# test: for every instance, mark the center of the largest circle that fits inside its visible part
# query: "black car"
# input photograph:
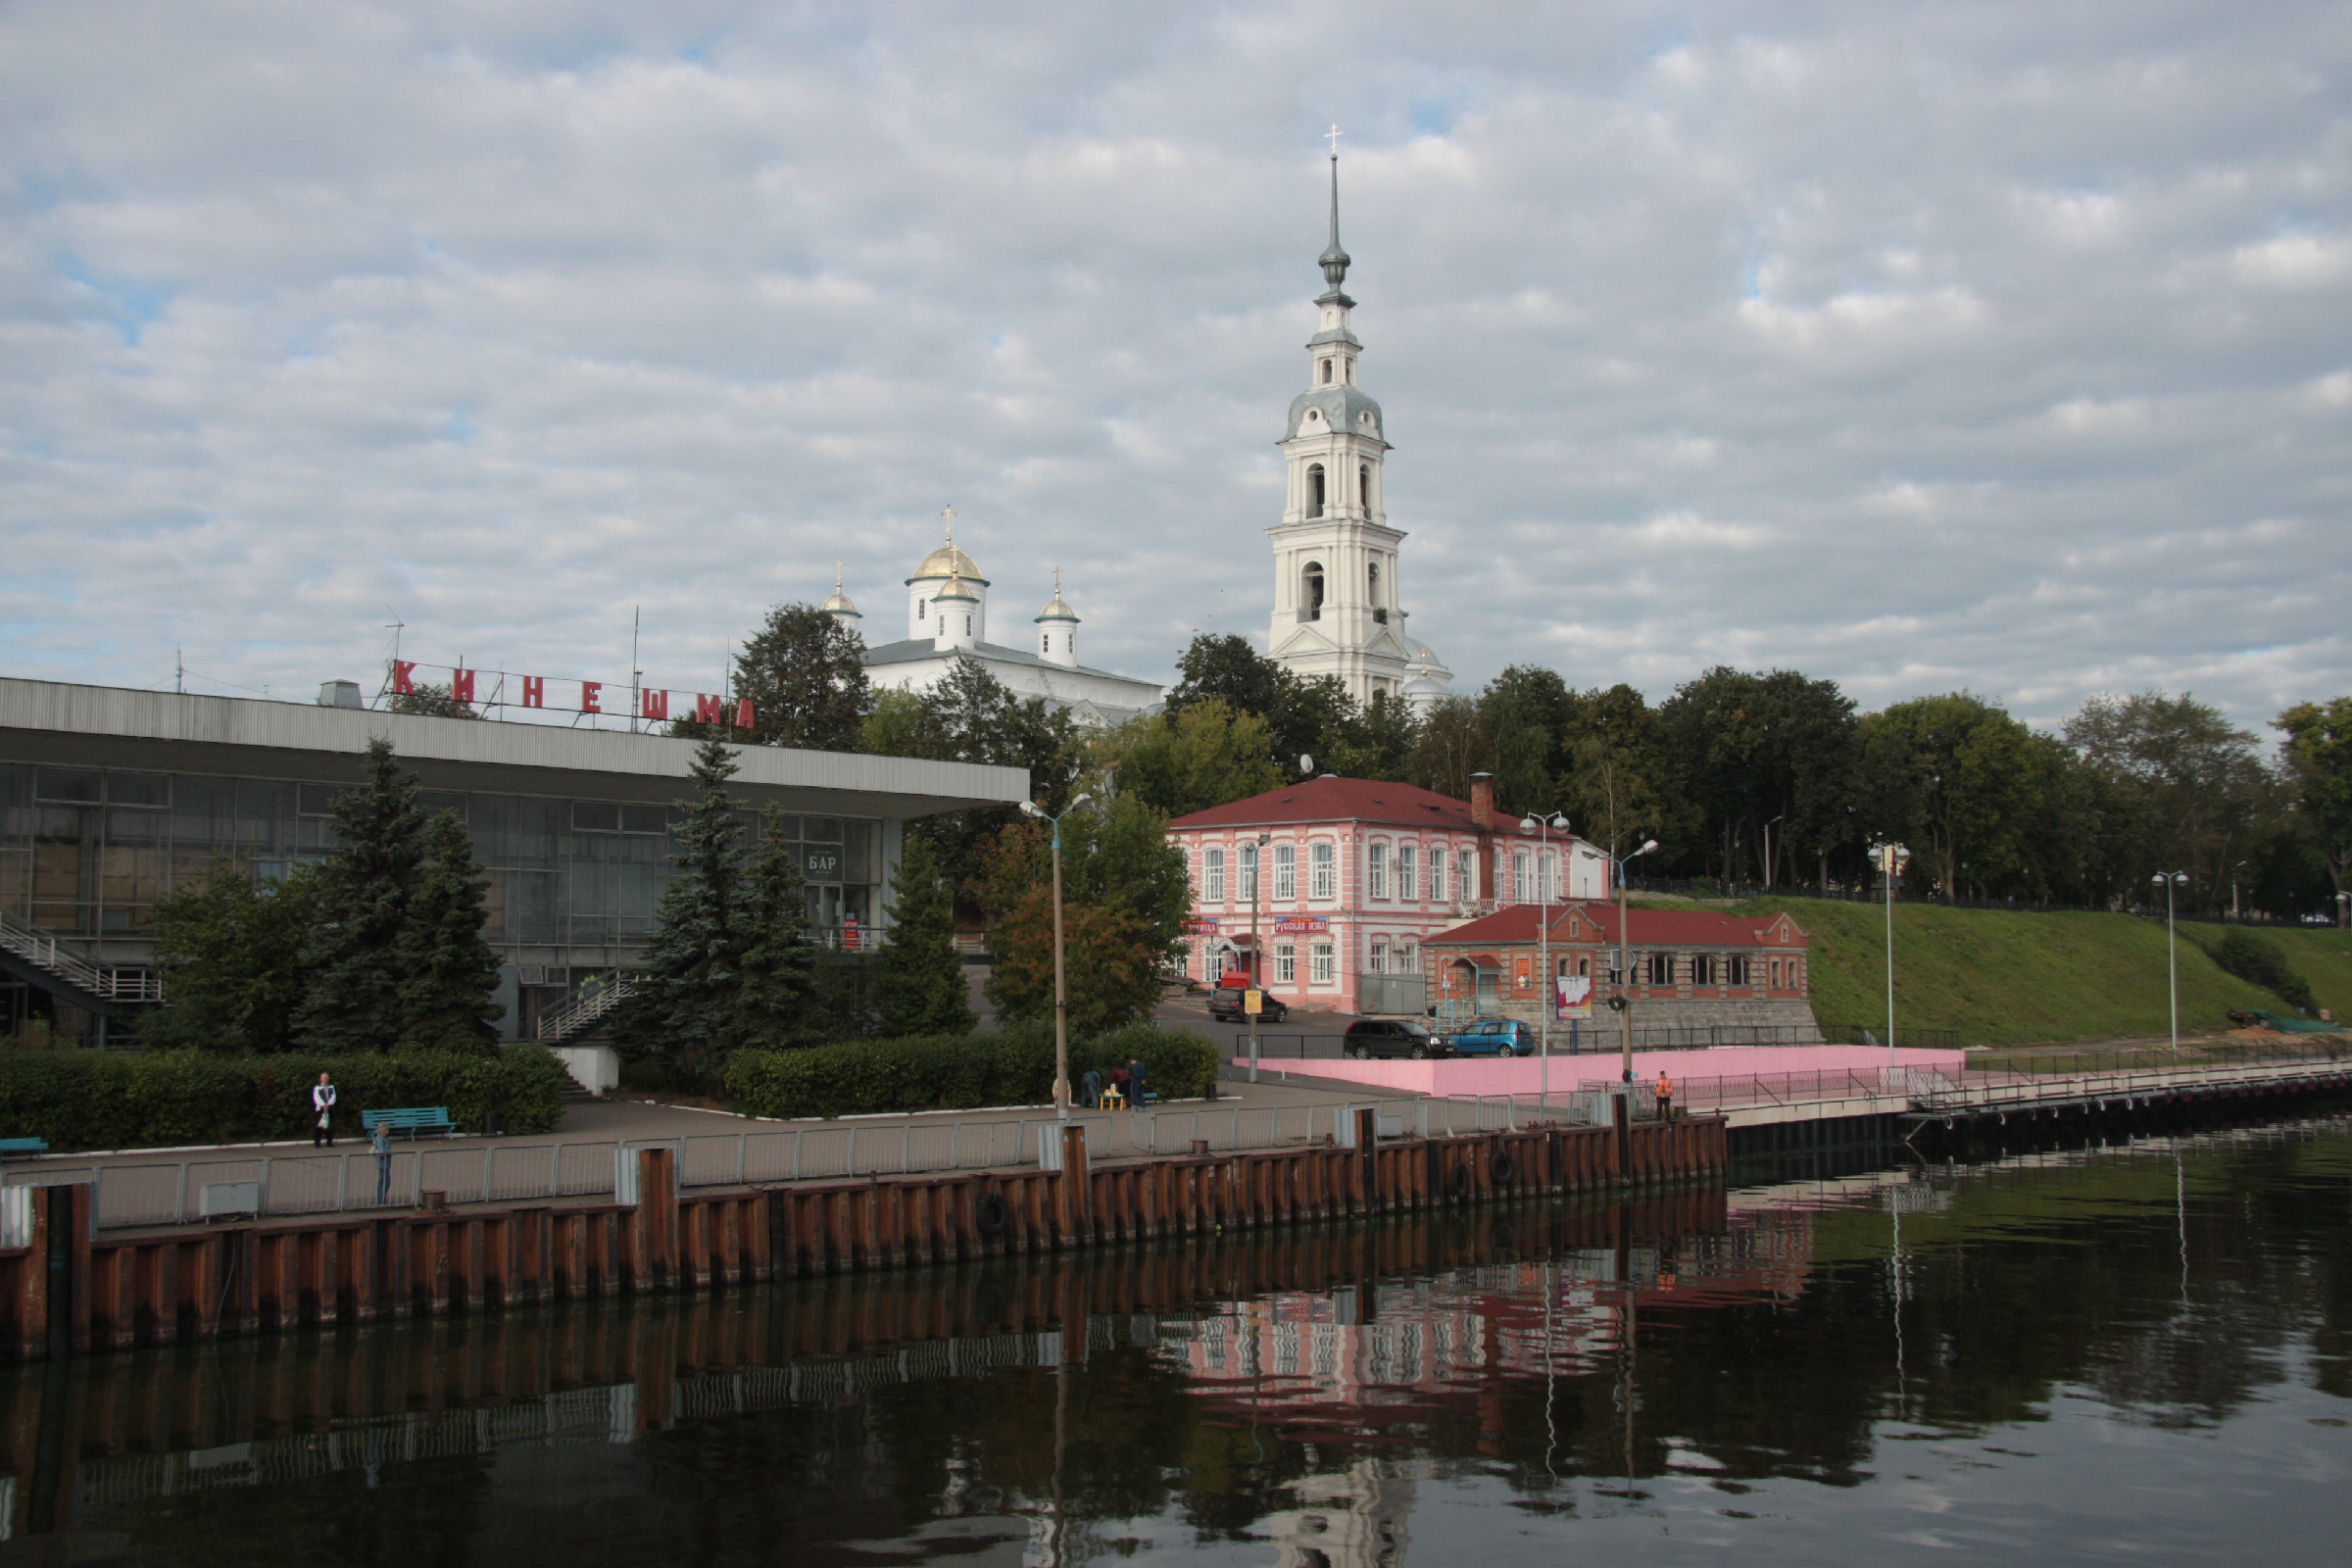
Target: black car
(1225, 1004)
(1390, 1037)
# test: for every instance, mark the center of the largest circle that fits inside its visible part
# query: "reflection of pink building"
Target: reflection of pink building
(1351, 877)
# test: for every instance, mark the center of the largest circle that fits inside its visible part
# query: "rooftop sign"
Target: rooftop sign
(532, 692)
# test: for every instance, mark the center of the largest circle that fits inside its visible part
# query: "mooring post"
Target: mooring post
(1073, 1188)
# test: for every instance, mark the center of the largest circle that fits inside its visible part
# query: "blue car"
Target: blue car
(1495, 1036)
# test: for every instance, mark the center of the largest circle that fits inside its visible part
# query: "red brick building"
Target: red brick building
(1693, 968)
(1352, 877)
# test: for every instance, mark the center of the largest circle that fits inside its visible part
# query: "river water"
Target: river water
(2132, 1354)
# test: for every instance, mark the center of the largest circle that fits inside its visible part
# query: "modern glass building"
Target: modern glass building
(108, 798)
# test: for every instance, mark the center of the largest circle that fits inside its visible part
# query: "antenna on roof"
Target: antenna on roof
(1306, 764)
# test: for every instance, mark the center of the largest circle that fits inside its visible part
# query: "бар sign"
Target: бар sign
(465, 685)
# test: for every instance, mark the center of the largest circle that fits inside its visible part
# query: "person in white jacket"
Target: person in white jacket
(322, 1100)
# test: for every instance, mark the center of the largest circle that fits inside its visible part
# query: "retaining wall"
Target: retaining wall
(71, 1291)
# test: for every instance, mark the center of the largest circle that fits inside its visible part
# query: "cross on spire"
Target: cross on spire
(1057, 582)
(949, 514)
(836, 564)
(1333, 136)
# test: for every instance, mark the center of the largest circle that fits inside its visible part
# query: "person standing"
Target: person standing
(1665, 1097)
(1135, 1081)
(382, 1145)
(322, 1101)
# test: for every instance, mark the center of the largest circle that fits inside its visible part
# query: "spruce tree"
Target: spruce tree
(773, 1009)
(448, 972)
(683, 1006)
(919, 988)
(352, 1000)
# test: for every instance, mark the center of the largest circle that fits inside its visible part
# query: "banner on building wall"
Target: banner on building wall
(1301, 925)
(590, 696)
(1202, 925)
(1572, 996)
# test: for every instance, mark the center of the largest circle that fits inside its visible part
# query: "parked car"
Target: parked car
(1390, 1037)
(1225, 1005)
(1495, 1036)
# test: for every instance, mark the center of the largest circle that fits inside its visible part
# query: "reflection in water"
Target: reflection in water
(2025, 1359)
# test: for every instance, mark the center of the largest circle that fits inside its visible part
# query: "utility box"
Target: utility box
(221, 1199)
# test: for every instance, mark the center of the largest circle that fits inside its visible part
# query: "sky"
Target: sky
(1990, 347)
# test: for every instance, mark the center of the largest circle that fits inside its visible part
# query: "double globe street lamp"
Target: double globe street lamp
(2170, 881)
(1062, 993)
(1542, 829)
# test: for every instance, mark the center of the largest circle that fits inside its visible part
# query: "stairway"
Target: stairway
(555, 1028)
(39, 959)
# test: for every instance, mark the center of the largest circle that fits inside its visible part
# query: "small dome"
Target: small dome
(954, 590)
(838, 605)
(1057, 611)
(947, 560)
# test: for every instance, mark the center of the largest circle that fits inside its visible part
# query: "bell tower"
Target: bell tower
(1336, 608)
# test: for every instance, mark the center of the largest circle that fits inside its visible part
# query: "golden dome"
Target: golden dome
(947, 560)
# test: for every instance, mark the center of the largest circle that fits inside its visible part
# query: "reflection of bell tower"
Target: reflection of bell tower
(1335, 556)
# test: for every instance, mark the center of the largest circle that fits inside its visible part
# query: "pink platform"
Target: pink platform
(1524, 1075)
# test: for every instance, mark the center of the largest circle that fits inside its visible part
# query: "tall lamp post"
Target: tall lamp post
(1061, 993)
(1258, 968)
(1623, 1001)
(1890, 859)
(1542, 830)
(2168, 881)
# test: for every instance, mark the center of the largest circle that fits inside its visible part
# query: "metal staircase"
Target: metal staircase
(41, 959)
(583, 1016)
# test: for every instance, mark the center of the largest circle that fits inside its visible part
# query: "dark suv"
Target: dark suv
(1225, 1004)
(1390, 1037)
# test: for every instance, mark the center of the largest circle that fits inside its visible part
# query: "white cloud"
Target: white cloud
(1926, 348)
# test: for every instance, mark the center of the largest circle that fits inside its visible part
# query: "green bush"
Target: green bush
(160, 1099)
(1011, 1066)
(2242, 953)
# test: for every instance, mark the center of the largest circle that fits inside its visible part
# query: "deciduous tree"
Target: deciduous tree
(232, 950)
(2319, 763)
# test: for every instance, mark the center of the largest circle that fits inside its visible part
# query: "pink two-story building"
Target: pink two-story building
(1349, 877)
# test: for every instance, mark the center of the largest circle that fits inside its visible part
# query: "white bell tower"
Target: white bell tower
(1336, 608)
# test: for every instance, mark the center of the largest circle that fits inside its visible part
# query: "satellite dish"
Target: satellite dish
(1306, 764)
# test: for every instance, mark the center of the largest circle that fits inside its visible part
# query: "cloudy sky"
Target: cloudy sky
(1992, 346)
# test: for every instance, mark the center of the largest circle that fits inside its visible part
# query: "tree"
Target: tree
(772, 999)
(233, 954)
(1303, 717)
(2319, 764)
(1954, 778)
(447, 971)
(1618, 792)
(353, 998)
(920, 987)
(434, 702)
(1528, 713)
(1755, 751)
(1450, 743)
(1206, 755)
(1125, 897)
(683, 1005)
(805, 674)
(2196, 779)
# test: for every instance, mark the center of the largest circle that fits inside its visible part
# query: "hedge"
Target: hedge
(1011, 1066)
(160, 1099)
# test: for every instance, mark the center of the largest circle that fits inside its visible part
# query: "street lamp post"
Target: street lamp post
(1062, 993)
(1257, 976)
(2168, 881)
(1623, 1000)
(1891, 859)
(1542, 830)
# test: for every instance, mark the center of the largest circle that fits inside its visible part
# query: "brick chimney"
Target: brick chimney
(1482, 800)
(1482, 818)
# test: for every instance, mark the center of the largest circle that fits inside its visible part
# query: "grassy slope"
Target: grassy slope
(2017, 978)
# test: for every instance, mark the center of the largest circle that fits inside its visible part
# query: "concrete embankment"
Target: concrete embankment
(70, 1289)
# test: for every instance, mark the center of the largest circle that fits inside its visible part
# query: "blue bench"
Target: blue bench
(413, 1120)
(24, 1145)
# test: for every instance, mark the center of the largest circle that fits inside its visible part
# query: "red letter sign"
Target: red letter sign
(460, 685)
(743, 714)
(534, 691)
(709, 710)
(653, 705)
(401, 669)
(592, 693)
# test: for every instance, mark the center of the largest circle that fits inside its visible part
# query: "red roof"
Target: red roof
(1338, 800)
(1673, 928)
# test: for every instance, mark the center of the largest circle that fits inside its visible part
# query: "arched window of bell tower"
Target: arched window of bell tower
(1363, 487)
(1372, 583)
(1314, 489)
(1327, 372)
(1310, 595)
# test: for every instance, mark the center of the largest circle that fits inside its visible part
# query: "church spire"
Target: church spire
(1333, 261)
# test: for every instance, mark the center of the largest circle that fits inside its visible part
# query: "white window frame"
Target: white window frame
(1323, 870)
(1522, 891)
(1436, 873)
(1408, 872)
(1323, 964)
(1378, 962)
(1377, 870)
(1406, 955)
(1286, 963)
(1286, 872)
(1248, 872)
(1212, 876)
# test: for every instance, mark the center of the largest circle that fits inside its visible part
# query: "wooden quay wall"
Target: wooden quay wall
(72, 1291)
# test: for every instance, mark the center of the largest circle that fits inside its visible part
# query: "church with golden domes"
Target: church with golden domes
(947, 620)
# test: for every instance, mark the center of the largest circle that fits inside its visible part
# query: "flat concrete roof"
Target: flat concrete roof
(107, 726)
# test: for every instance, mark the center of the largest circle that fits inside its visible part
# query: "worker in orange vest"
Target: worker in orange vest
(1665, 1097)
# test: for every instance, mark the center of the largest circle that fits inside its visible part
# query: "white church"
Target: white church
(1337, 609)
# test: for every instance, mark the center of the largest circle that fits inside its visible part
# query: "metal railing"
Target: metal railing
(557, 1026)
(43, 951)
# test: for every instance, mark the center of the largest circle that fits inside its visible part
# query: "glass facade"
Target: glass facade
(86, 852)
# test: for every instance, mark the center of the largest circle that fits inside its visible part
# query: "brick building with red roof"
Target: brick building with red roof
(1353, 876)
(1691, 969)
